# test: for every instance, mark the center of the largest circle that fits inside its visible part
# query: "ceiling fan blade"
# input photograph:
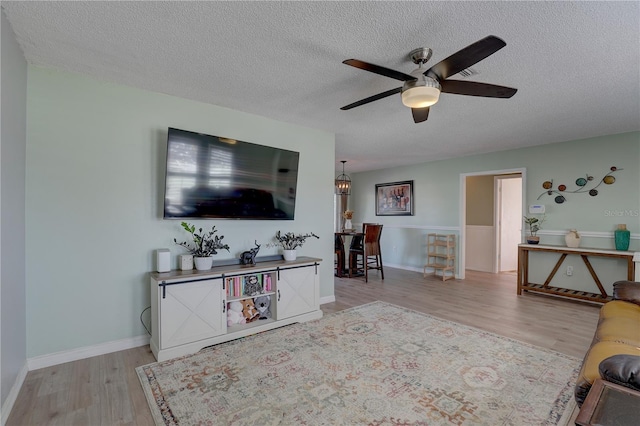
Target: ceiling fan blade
(420, 114)
(466, 57)
(372, 98)
(377, 69)
(473, 88)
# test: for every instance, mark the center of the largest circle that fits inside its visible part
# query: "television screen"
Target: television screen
(220, 178)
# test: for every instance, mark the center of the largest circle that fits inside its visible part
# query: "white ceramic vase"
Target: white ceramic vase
(347, 224)
(572, 239)
(203, 263)
(289, 254)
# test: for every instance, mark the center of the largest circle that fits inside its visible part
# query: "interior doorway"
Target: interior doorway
(479, 235)
(508, 219)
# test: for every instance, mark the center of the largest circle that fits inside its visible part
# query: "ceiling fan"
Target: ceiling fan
(421, 88)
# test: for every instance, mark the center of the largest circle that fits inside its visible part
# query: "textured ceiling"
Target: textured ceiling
(576, 65)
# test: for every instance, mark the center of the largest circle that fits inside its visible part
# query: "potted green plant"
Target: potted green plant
(289, 242)
(534, 226)
(203, 245)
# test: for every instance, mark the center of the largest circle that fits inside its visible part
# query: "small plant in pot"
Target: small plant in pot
(289, 242)
(534, 226)
(203, 245)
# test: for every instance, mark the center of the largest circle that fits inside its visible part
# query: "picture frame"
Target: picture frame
(394, 198)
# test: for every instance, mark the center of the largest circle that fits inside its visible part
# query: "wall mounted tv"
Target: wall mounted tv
(211, 177)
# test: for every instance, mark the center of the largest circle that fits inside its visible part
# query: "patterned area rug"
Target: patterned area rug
(376, 364)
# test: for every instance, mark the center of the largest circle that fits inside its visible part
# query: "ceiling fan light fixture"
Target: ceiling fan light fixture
(420, 93)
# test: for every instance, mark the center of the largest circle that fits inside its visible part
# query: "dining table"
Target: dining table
(340, 240)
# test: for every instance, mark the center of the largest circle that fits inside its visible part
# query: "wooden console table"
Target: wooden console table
(584, 253)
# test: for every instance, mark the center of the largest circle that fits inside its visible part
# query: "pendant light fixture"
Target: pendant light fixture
(343, 182)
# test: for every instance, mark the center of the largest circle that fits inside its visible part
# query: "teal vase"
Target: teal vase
(622, 236)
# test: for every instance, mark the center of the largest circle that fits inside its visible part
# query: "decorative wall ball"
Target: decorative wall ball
(562, 187)
(593, 192)
(559, 199)
(547, 184)
(609, 180)
(581, 181)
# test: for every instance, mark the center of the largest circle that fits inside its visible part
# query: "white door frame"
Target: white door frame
(463, 208)
(497, 212)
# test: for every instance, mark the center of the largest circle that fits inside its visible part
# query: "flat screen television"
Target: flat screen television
(211, 177)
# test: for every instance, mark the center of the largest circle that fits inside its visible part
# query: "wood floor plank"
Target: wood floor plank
(105, 390)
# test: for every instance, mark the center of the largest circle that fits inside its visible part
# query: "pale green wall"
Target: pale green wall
(12, 225)
(95, 181)
(437, 198)
(480, 200)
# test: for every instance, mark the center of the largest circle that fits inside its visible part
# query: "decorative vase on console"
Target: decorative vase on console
(347, 225)
(289, 255)
(289, 242)
(621, 237)
(203, 263)
(572, 239)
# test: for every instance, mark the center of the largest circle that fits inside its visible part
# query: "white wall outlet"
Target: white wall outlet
(536, 208)
(569, 270)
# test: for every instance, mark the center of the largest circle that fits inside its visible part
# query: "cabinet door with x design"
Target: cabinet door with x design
(298, 291)
(192, 312)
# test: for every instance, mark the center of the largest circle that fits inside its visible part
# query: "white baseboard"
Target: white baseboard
(7, 406)
(327, 299)
(405, 267)
(56, 358)
(412, 268)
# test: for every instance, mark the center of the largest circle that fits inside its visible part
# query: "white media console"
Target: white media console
(189, 308)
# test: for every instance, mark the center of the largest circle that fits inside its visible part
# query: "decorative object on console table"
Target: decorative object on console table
(163, 260)
(622, 236)
(186, 262)
(534, 226)
(289, 255)
(394, 199)
(572, 239)
(289, 242)
(205, 245)
(249, 257)
(203, 263)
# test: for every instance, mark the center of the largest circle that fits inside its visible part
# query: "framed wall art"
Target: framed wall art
(394, 199)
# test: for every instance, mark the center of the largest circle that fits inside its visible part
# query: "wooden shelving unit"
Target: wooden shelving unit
(441, 255)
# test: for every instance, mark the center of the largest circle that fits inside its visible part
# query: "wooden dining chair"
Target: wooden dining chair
(340, 255)
(369, 255)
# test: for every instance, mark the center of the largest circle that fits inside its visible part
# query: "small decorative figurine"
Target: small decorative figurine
(249, 257)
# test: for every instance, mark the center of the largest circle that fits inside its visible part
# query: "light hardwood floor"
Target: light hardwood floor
(105, 390)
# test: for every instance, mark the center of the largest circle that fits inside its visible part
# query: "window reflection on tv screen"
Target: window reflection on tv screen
(216, 177)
